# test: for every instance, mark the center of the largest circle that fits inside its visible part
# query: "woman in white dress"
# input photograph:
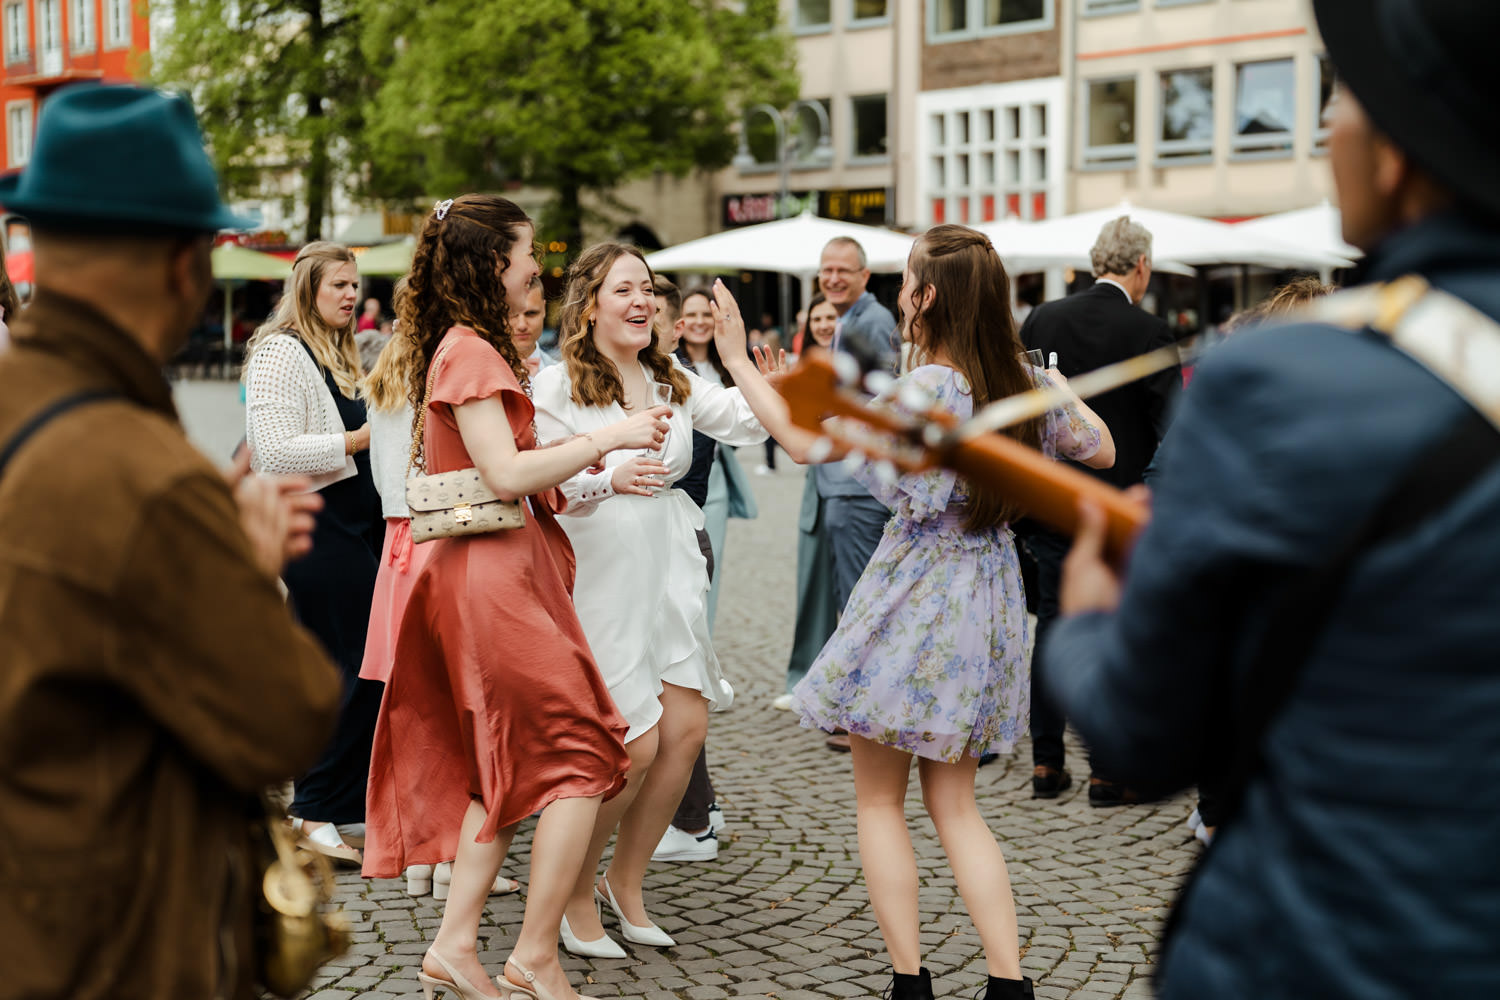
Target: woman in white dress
(642, 580)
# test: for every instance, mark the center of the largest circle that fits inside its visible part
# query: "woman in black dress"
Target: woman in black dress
(304, 417)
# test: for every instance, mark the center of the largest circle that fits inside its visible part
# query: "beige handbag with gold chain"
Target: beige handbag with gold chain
(451, 504)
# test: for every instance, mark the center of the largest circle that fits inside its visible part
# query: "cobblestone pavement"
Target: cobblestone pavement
(783, 912)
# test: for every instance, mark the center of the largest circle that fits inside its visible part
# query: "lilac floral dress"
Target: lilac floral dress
(930, 655)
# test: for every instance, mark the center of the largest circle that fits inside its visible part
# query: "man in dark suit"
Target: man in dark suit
(1093, 328)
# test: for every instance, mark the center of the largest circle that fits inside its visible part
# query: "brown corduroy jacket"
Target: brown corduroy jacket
(151, 682)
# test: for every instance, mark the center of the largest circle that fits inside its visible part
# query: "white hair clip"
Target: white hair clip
(442, 209)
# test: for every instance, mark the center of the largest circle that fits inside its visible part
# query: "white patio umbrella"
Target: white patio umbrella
(1176, 239)
(1319, 228)
(789, 246)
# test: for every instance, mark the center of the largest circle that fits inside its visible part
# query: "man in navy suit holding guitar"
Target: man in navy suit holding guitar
(1089, 330)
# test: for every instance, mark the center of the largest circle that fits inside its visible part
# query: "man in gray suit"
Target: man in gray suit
(841, 523)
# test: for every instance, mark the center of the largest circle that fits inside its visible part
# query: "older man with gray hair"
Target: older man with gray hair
(1095, 327)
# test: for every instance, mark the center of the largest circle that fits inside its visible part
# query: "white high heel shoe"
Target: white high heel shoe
(651, 935)
(418, 880)
(605, 947)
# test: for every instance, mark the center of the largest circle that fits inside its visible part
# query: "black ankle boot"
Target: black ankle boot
(1008, 989)
(918, 987)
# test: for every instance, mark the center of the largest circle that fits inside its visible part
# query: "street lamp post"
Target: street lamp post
(822, 155)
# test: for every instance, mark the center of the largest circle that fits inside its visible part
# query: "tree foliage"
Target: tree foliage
(567, 95)
(279, 85)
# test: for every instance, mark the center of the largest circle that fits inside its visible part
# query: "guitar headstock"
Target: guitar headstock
(822, 394)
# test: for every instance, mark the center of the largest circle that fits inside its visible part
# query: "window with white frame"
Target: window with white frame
(952, 20)
(117, 15)
(812, 15)
(49, 31)
(1265, 106)
(1109, 123)
(988, 163)
(1326, 79)
(81, 25)
(18, 123)
(1187, 114)
(17, 39)
(861, 11)
(868, 114)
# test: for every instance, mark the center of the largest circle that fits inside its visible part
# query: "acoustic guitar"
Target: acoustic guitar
(1047, 490)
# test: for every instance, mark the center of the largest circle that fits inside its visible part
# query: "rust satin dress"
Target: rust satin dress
(496, 695)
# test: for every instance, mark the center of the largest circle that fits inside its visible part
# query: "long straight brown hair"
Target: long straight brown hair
(297, 314)
(970, 322)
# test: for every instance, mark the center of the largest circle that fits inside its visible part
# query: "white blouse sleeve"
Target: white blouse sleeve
(279, 406)
(557, 420)
(722, 413)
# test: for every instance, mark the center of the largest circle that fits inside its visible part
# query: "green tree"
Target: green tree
(573, 96)
(279, 86)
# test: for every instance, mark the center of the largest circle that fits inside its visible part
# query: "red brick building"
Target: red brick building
(47, 44)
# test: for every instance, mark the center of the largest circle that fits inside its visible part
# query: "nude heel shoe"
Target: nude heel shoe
(442, 878)
(651, 935)
(455, 983)
(533, 990)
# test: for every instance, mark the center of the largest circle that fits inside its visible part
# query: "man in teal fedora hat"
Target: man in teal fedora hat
(151, 679)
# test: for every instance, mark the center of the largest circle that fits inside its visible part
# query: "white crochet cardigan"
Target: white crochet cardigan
(292, 423)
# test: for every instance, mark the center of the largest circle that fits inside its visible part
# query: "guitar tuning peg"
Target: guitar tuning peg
(885, 471)
(878, 383)
(853, 462)
(846, 368)
(819, 451)
(915, 398)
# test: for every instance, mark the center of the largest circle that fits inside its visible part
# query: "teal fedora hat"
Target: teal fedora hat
(111, 157)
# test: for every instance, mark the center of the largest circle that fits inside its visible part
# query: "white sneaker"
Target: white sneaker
(716, 820)
(782, 702)
(764, 470)
(679, 845)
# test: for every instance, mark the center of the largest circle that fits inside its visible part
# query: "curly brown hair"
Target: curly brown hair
(970, 321)
(455, 281)
(596, 381)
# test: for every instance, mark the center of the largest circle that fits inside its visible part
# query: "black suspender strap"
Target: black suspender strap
(54, 409)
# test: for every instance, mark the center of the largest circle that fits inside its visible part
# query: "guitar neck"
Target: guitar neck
(1045, 489)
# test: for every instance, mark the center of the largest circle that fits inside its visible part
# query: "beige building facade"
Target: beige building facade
(859, 59)
(1206, 107)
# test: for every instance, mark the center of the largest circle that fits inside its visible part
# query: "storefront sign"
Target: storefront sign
(863, 205)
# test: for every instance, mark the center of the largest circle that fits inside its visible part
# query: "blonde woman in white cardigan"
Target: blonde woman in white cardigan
(304, 416)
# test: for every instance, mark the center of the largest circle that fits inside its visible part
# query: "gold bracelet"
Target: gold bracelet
(348, 442)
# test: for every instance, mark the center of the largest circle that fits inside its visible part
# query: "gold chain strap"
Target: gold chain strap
(418, 459)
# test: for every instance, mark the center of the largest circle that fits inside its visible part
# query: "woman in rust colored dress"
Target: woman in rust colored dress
(498, 710)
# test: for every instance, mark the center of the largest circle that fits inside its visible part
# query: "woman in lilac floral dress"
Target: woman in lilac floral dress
(930, 657)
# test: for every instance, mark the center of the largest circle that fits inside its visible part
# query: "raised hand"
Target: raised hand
(729, 325)
(774, 367)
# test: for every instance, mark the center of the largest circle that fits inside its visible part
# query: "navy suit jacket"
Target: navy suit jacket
(1363, 861)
